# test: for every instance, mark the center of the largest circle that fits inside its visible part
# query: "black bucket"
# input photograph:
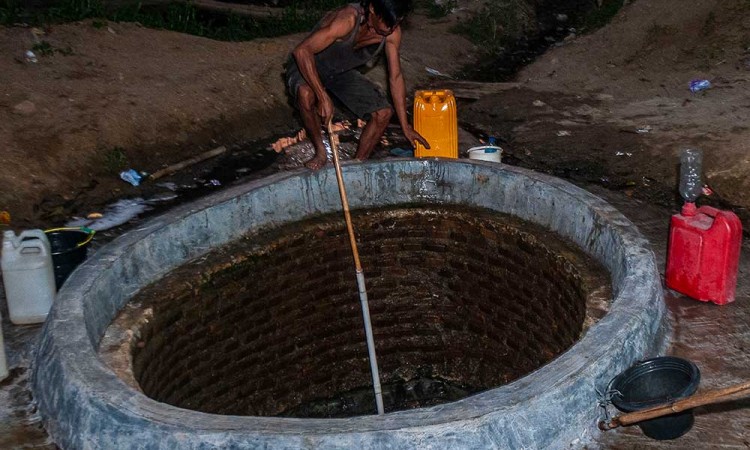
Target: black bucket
(69, 247)
(654, 382)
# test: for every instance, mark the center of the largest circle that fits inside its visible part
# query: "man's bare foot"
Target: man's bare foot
(317, 162)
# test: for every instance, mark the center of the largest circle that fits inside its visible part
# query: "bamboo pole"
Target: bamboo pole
(360, 274)
(735, 392)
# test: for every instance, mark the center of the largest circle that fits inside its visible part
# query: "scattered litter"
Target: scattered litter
(116, 214)
(398, 151)
(30, 57)
(562, 133)
(623, 154)
(95, 215)
(699, 85)
(132, 176)
(643, 129)
(168, 185)
(214, 182)
(436, 72)
(301, 135)
(4, 218)
(538, 103)
(707, 190)
(242, 170)
(562, 17)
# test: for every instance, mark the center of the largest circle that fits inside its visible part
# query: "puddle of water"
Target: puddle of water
(116, 214)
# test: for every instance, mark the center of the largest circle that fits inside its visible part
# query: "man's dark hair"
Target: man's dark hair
(391, 11)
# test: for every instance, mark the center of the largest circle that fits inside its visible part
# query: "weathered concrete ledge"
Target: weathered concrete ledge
(85, 405)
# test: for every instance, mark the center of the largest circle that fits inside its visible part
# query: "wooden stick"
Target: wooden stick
(716, 396)
(342, 191)
(188, 162)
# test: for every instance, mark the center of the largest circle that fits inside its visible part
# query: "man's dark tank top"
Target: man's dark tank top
(341, 56)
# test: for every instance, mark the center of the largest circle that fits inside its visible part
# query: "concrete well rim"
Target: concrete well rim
(101, 389)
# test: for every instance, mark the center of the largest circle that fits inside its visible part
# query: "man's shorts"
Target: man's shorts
(352, 89)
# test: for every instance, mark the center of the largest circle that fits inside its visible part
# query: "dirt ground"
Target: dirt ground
(612, 107)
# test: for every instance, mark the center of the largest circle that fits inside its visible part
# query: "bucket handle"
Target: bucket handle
(84, 229)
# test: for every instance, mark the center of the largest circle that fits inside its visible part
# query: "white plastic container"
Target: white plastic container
(28, 276)
(486, 153)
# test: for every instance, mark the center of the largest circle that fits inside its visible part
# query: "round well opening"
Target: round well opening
(462, 300)
(87, 403)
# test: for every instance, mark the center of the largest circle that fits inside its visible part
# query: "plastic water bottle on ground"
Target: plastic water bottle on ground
(691, 161)
(699, 85)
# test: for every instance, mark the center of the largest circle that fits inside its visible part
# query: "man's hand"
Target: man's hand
(411, 135)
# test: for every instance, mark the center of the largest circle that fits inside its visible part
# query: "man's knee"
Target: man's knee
(382, 116)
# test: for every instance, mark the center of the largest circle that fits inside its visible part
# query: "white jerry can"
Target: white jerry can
(28, 276)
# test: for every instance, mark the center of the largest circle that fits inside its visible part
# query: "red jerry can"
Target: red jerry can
(704, 253)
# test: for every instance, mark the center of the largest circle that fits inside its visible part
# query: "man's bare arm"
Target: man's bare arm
(337, 26)
(398, 87)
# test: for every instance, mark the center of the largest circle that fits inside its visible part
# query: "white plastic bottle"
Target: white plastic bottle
(28, 276)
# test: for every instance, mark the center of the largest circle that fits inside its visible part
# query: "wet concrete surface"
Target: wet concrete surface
(716, 338)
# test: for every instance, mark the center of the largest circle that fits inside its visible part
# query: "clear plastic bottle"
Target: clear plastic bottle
(691, 161)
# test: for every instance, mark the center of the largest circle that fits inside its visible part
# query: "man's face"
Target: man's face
(379, 26)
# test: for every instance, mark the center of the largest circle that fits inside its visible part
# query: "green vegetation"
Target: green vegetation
(183, 17)
(598, 17)
(44, 48)
(499, 23)
(115, 160)
(71, 10)
(437, 10)
(502, 22)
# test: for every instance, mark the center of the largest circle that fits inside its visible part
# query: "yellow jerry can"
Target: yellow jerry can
(435, 119)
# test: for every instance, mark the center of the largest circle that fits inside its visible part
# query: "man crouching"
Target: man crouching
(325, 63)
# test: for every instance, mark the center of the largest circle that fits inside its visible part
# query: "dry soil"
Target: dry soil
(612, 107)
